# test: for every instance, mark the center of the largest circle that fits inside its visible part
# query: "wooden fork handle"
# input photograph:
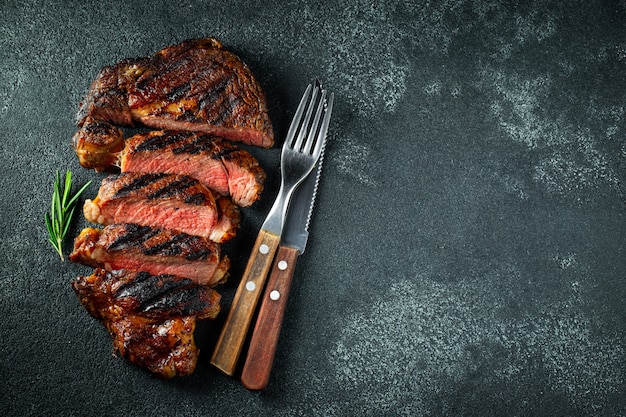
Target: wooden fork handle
(233, 335)
(258, 365)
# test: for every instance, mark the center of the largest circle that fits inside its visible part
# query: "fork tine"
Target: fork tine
(309, 144)
(321, 137)
(304, 126)
(295, 123)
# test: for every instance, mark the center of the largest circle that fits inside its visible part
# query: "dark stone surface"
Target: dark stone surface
(467, 254)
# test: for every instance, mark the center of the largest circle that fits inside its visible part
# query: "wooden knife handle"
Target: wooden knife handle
(233, 335)
(258, 365)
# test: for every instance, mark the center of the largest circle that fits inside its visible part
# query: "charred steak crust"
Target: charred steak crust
(97, 144)
(196, 86)
(111, 295)
(217, 163)
(166, 348)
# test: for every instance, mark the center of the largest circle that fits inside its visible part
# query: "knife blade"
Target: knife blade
(232, 337)
(262, 349)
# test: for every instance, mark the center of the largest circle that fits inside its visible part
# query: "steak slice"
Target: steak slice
(217, 163)
(156, 251)
(158, 200)
(151, 319)
(113, 295)
(196, 85)
(165, 348)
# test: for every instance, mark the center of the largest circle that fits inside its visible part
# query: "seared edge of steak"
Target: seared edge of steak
(229, 220)
(97, 144)
(107, 99)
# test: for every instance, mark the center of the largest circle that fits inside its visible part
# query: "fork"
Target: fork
(301, 150)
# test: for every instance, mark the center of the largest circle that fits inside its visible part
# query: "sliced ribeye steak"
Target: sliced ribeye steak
(156, 251)
(169, 201)
(196, 85)
(217, 163)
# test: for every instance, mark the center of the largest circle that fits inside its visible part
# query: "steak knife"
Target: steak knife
(233, 334)
(258, 365)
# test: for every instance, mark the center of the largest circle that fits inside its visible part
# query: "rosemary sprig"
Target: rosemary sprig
(61, 211)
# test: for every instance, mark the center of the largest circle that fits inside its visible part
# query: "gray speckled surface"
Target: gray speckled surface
(468, 249)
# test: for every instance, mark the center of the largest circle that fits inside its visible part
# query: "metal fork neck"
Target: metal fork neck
(276, 217)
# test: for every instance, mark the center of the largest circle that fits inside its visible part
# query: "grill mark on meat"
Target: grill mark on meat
(198, 255)
(178, 92)
(176, 245)
(180, 301)
(200, 144)
(158, 142)
(170, 189)
(194, 147)
(197, 199)
(134, 236)
(170, 247)
(205, 80)
(175, 80)
(148, 82)
(146, 286)
(215, 93)
(138, 183)
(226, 110)
(176, 187)
(164, 294)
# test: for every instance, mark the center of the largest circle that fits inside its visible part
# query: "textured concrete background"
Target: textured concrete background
(468, 250)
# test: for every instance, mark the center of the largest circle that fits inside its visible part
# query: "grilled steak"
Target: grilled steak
(151, 319)
(196, 86)
(156, 251)
(165, 348)
(217, 163)
(111, 295)
(158, 200)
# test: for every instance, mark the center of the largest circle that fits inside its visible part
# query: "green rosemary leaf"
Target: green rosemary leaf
(61, 210)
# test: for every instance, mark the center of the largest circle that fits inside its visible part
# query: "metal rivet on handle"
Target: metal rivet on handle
(264, 249)
(274, 295)
(250, 286)
(282, 265)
